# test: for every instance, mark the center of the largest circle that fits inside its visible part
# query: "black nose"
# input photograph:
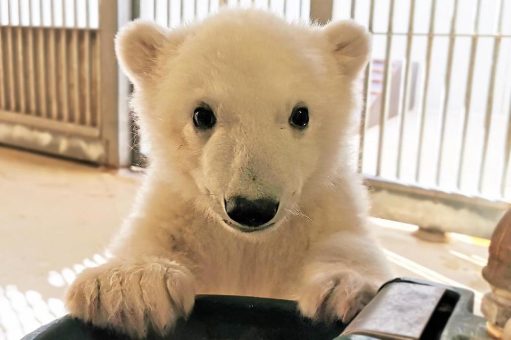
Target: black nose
(251, 213)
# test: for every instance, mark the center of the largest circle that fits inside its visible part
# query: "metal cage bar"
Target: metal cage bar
(507, 153)
(31, 64)
(385, 93)
(21, 64)
(42, 65)
(425, 90)
(468, 92)
(406, 88)
(75, 69)
(490, 99)
(3, 84)
(366, 93)
(10, 60)
(447, 92)
(63, 61)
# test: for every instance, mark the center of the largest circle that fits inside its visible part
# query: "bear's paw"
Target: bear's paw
(133, 297)
(335, 296)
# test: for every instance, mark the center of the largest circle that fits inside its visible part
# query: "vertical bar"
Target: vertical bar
(113, 125)
(169, 12)
(126, 126)
(86, 65)
(76, 67)
(406, 87)
(426, 88)
(468, 91)
(135, 9)
(21, 63)
(352, 9)
(155, 9)
(31, 63)
(182, 11)
(10, 60)
(95, 80)
(489, 101)
(507, 151)
(321, 11)
(3, 104)
(385, 93)
(42, 63)
(63, 77)
(447, 92)
(367, 97)
(52, 69)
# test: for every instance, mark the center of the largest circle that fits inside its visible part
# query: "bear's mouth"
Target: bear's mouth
(247, 229)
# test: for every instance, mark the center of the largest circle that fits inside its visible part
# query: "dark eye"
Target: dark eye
(203, 118)
(299, 117)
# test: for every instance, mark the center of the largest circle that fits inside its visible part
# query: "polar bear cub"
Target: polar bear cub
(250, 190)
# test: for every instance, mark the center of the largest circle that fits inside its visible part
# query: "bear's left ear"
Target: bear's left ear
(351, 45)
(139, 44)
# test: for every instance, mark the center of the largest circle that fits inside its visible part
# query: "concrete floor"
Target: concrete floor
(57, 216)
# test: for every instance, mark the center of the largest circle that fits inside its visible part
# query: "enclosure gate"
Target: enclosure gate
(435, 133)
(58, 78)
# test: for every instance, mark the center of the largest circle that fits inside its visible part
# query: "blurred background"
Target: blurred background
(433, 142)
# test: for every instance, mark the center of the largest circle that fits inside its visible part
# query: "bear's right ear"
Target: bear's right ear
(138, 46)
(351, 45)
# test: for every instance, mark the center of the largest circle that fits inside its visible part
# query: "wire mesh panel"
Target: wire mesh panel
(438, 97)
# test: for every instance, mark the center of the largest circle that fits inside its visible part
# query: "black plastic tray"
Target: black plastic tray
(249, 318)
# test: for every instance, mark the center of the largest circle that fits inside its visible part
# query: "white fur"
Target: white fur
(251, 68)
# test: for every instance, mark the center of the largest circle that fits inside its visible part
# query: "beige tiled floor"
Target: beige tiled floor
(56, 217)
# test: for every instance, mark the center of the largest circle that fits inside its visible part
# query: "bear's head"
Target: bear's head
(243, 112)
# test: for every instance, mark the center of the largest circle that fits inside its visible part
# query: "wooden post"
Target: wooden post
(496, 305)
(113, 97)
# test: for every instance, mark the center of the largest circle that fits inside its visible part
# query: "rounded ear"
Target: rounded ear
(351, 45)
(137, 46)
